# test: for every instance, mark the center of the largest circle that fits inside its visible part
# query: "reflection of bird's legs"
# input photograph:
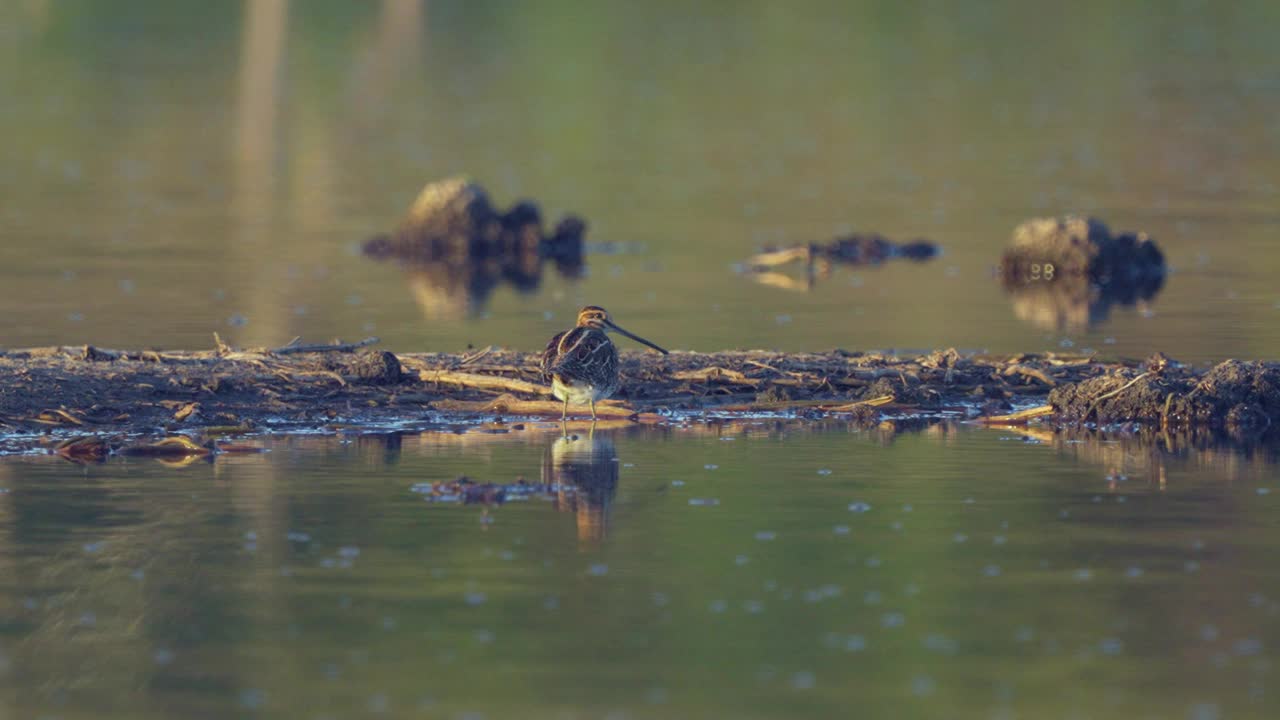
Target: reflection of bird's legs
(593, 409)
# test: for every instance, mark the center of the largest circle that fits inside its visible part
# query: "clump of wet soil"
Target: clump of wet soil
(1234, 395)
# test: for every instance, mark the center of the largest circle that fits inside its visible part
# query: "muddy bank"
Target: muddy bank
(85, 390)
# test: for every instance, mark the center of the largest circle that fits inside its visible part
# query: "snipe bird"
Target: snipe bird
(582, 362)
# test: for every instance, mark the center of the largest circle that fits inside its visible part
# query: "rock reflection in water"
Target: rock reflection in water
(1074, 304)
(583, 470)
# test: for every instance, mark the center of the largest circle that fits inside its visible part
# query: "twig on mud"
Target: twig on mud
(1031, 372)
(720, 374)
(490, 382)
(1094, 406)
(472, 357)
(1019, 417)
(870, 402)
(508, 404)
(294, 347)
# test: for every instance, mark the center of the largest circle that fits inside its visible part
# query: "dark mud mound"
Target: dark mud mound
(1234, 395)
(1067, 273)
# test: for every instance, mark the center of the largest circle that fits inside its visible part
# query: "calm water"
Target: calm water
(761, 571)
(175, 168)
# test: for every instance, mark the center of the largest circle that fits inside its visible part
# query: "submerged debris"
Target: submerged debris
(817, 259)
(1066, 273)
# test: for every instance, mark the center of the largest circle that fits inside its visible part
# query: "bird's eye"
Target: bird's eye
(582, 353)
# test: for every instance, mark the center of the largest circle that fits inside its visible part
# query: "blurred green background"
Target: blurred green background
(175, 168)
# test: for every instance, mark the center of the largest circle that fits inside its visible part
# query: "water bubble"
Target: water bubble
(237, 320)
(855, 643)
(803, 680)
(1083, 574)
(1134, 572)
(717, 606)
(999, 540)
(741, 560)
(874, 562)
(656, 696)
(660, 599)
(1247, 646)
(1111, 646)
(475, 598)
(991, 570)
(252, 698)
(677, 483)
(1204, 711)
(704, 502)
(1263, 491)
(940, 644)
(753, 607)
(923, 686)
(840, 529)
(378, 703)
(710, 466)
(872, 597)
(893, 620)
(766, 535)
(162, 656)
(484, 637)
(349, 552)
(1191, 566)
(1208, 632)
(959, 538)
(94, 547)
(551, 603)
(598, 569)
(859, 507)
(824, 471)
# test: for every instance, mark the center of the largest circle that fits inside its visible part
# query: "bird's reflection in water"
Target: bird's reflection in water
(582, 470)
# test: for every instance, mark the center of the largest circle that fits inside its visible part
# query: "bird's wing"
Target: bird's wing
(550, 355)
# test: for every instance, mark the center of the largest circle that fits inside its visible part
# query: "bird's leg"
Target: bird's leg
(593, 409)
(564, 413)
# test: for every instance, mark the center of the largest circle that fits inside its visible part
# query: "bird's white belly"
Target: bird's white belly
(576, 393)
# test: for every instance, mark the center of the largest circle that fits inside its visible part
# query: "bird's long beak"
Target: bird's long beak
(614, 327)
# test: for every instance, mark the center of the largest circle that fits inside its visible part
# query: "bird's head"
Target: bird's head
(595, 317)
